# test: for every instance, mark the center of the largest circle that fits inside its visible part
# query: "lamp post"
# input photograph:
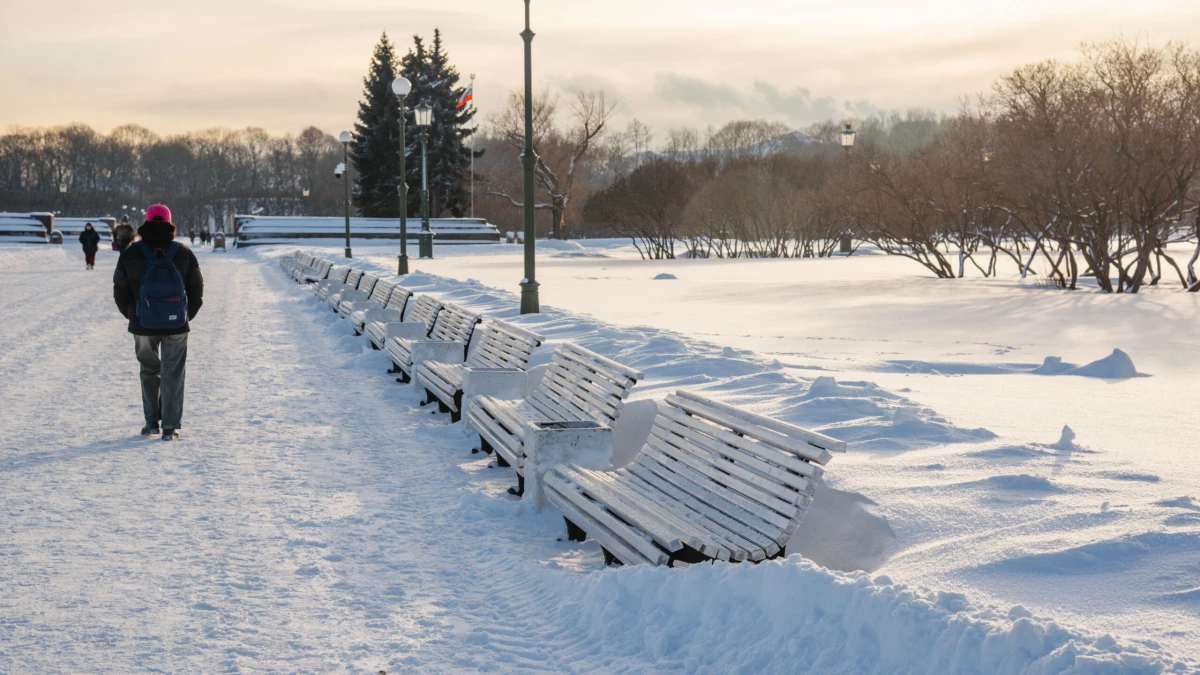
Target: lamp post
(344, 137)
(846, 245)
(847, 139)
(62, 189)
(529, 285)
(401, 87)
(424, 117)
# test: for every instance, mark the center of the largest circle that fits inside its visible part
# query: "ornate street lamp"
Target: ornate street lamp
(344, 173)
(423, 115)
(847, 137)
(62, 189)
(401, 87)
(529, 158)
(306, 192)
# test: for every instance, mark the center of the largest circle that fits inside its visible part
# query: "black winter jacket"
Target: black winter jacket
(90, 239)
(128, 277)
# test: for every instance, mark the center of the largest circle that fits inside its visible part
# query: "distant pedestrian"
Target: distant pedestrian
(205, 237)
(159, 288)
(89, 239)
(122, 235)
(192, 235)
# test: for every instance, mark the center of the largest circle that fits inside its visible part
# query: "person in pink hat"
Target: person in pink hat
(159, 288)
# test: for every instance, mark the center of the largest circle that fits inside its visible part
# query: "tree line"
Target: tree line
(200, 174)
(1087, 168)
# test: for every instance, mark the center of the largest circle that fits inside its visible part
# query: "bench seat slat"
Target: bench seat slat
(635, 539)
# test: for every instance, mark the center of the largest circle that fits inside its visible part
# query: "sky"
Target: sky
(177, 65)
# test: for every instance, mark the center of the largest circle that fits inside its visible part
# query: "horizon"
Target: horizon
(283, 65)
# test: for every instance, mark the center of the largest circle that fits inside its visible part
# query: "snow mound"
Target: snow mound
(662, 276)
(1053, 365)
(559, 245)
(1114, 366)
(1067, 440)
(801, 617)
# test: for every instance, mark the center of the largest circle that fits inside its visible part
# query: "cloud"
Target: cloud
(796, 106)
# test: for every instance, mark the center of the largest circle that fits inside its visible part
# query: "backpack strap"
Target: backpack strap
(145, 249)
(171, 251)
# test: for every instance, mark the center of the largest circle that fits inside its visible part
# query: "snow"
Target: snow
(316, 518)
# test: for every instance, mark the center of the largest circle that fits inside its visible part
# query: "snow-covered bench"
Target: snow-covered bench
(447, 340)
(380, 292)
(335, 279)
(579, 386)
(496, 367)
(290, 262)
(712, 482)
(354, 282)
(374, 322)
(390, 308)
(312, 273)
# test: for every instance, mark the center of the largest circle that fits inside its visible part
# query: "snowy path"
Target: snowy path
(314, 519)
(284, 531)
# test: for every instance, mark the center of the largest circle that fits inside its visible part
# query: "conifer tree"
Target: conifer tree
(375, 148)
(436, 81)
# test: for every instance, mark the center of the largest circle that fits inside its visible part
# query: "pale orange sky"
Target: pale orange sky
(285, 64)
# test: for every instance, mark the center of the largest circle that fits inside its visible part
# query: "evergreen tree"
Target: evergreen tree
(436, 81)
(375, 148)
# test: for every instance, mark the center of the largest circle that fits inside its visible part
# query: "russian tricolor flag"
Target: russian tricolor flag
(466, 98)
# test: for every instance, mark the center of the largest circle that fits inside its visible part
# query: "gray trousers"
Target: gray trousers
(163, 362)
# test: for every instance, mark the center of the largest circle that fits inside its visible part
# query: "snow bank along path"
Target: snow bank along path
(314, 518)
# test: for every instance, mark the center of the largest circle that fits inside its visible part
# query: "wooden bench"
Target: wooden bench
(375, 321)
(333, 296)
(713, 482)
(336, 278)
(579, 385)
(289, 262)
(314, 273)
(381, 290)
(381, 298)
(500, 346)
(446, 340)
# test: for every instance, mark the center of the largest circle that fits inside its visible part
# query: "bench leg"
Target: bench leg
(456, 414)
(520, 489)
(609, 558)
(688, 555)
(485, 446)
(574, 532)
(442, 407)
(404, 378)
(500, 461)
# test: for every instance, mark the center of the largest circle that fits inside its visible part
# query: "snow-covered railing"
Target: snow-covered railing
(259, 230)
(71, 227)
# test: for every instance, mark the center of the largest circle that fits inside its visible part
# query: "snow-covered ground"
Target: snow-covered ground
(316, 519)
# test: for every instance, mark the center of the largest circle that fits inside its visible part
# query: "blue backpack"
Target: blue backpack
(162, 299)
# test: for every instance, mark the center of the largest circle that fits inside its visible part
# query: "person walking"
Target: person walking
(158, 287)
(122, 235)
(89, 239)
(192, 236)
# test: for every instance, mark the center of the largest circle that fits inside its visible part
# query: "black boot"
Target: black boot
(170, 435)
(150, 430)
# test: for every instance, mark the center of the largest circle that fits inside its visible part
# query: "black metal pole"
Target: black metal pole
(529, 285)
(425, 242)
(402, 188)
(346, 180)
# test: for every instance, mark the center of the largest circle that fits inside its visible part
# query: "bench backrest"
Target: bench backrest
(367, 283)
(454, 324)
(425, 310)
(382, 291)
(761, 469)
(323, 268)
(503, 345)
(582, 385)
(354, 277)
(398, 299)
(339, 274)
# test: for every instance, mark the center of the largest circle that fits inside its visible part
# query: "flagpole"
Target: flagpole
(473, 152)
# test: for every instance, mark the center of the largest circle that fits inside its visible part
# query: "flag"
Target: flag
(465, 98)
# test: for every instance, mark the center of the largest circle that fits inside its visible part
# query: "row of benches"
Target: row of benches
(713, 482)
